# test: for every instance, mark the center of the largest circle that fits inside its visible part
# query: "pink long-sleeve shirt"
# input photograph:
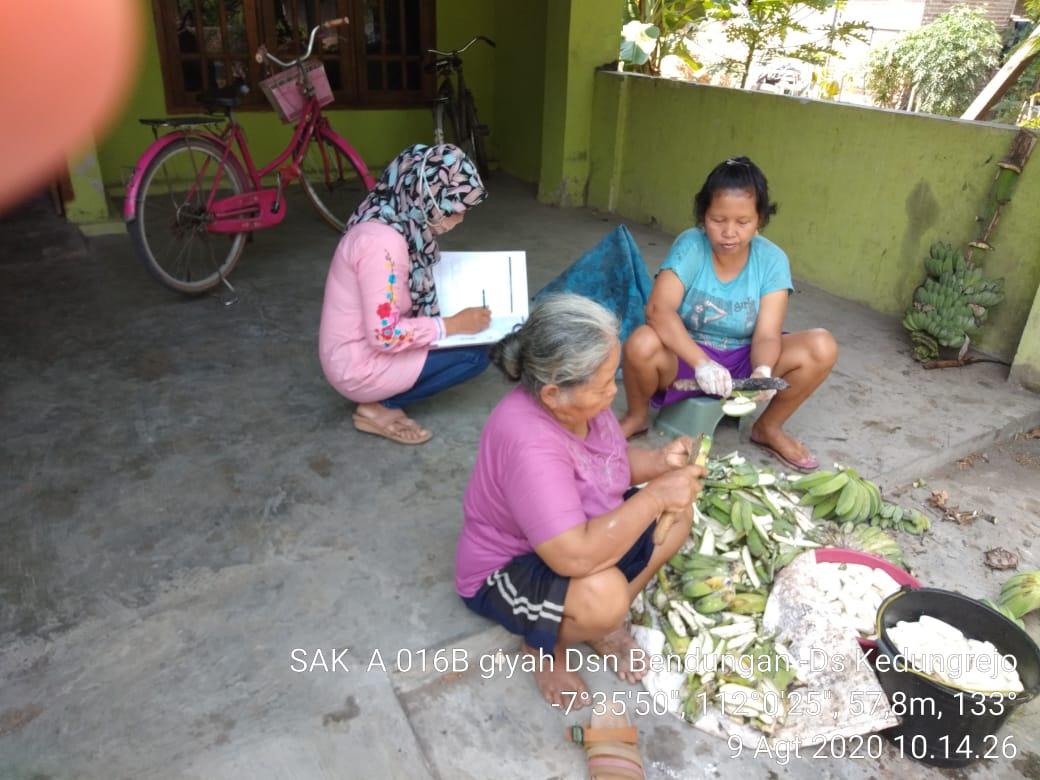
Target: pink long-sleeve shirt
(369, 345)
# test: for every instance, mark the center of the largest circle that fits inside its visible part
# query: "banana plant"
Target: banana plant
(654, 29)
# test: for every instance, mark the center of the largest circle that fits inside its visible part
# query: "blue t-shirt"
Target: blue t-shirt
(723, 314)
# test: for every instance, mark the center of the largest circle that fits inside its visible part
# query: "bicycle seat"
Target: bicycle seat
(224, 97)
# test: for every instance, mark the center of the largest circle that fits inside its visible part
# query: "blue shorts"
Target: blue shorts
(526, 596)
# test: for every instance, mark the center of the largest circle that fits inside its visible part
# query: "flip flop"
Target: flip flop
(368, 425)
(611, 745)
(807, 464)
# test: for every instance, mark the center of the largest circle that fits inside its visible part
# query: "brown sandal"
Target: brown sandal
(391, 431)
(611, 745)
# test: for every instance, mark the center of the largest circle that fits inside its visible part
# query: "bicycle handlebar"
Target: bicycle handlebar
(263, 53)
(459, 51)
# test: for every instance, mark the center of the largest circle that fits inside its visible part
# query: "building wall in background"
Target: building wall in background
(998, 11)
(863, 192)
(378, 134)
(516, 134)
(581, 36)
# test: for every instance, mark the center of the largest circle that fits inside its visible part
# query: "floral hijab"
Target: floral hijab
(402, 201)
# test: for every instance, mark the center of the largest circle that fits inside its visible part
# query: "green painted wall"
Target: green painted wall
(862, 192)
(1026, 368)
(89, 204)
(581, 35)
(519, 86)
(377, 134)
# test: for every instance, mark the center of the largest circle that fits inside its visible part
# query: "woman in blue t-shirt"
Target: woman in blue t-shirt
(717, 313)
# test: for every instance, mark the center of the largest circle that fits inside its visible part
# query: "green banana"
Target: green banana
(745, 517)
(714, 602)
(747, 603)
(1021, 594)
(722, 503)
(736, 517)
(826, 508)
(678, 561)
(705, 587)
(847, 499)
(679, 644)
(720, 517)
(1005, 612)
(755, 543)
(832, 485)
(811, 480)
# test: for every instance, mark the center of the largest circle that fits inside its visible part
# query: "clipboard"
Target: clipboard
(497, 280)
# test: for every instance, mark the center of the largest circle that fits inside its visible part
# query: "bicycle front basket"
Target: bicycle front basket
(284, 92)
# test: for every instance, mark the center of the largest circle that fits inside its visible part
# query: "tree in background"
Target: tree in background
(1019, 104)
(654, 29)
(765, 29)
(937, 68)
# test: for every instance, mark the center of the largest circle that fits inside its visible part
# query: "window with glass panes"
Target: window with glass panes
(376, 60)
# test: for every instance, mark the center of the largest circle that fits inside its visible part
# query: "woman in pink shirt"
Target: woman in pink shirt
(380, 314)
(554, 544)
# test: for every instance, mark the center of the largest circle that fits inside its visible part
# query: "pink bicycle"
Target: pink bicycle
(192, 201)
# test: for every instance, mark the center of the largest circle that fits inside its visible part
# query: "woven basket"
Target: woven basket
(285, 92)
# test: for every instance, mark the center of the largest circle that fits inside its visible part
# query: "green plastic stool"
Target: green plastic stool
(690, 417)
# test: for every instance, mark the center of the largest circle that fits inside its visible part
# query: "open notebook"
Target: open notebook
(495, 279)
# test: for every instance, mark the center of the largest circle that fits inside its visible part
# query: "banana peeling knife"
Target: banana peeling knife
(758, 383)
(751, 384)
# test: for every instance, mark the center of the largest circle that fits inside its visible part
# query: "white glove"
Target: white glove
(714, 379)
(763, 396)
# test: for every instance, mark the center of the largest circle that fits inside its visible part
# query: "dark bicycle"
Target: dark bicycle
(455, 101)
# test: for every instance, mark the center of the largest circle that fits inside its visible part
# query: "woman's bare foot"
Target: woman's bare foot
(617, 646)
(559, 687)
(632, 424)
(393, 421)
(789, 449)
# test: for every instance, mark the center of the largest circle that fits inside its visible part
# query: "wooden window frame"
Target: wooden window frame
(259, 16)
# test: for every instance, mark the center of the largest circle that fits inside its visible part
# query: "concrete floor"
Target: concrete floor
(184, 502)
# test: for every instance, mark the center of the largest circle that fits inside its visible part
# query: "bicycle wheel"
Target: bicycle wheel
(333, 182)
(475, 133)
(466, 131)
(170, 230)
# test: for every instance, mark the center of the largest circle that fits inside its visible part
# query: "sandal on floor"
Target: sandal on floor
(610, 743)
(391, 431)
(805, 465)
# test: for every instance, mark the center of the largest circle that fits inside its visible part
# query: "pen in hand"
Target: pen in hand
(483, 298)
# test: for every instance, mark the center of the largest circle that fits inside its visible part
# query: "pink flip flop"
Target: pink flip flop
(807, 464)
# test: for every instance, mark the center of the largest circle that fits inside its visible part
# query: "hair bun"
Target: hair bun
(505, 354)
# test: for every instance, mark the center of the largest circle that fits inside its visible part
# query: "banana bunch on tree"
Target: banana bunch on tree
(951, 304)
(1020, 594)
(845, 497)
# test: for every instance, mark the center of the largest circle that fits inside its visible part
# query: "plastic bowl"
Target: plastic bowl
(841, 555)
(944, 726)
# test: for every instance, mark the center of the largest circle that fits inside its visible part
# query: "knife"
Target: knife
(751, 384)
(761, 383)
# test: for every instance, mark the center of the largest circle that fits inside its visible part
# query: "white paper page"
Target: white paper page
(495, 279)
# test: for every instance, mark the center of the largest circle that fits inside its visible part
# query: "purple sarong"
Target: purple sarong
(736, 361)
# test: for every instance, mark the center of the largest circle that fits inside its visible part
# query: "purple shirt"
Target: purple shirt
(534, 480)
